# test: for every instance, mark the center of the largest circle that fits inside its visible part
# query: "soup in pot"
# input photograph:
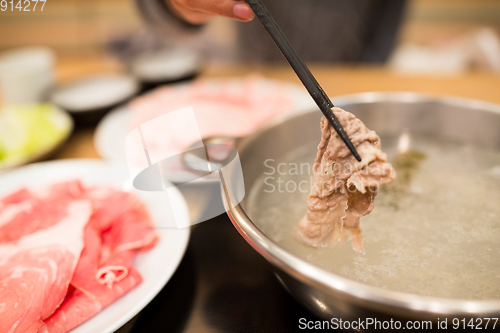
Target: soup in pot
(435, 231)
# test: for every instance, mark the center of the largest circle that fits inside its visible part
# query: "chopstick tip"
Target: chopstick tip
(356, 155)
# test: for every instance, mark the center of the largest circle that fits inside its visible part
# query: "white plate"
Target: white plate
(156, 265)
(95, 92)
(111, 132)
(166, 65)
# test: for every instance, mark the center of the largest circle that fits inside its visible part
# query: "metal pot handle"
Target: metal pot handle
(215, 153)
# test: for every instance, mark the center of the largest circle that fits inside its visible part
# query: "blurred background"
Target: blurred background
(75, 28)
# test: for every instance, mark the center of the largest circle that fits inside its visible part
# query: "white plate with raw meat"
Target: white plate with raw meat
(77, 242)
(224, 107)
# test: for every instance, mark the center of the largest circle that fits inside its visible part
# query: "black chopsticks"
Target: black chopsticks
(308, 80)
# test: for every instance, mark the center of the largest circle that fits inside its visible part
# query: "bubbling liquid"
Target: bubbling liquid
(434, 232)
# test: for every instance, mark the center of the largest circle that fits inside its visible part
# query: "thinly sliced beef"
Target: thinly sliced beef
(343, 189)
(110, 246)
(78, 305)
(223, 107)
(29, 216)
(24, 212)
(16, 197)
(67, 242)
(119, 227)
(83, 278)
(35, 271)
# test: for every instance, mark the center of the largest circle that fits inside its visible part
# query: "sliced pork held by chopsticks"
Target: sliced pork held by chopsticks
(343, 189)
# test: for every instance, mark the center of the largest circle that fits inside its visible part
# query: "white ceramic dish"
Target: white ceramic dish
(95, 92)
(156, 265)
(111, 132)
(166, 65)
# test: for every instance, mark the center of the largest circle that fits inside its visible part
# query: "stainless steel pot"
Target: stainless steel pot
(329, 295)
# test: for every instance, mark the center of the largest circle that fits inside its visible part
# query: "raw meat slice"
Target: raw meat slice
(118, 228)
(35, 271)
(343, 189)
(109, 251)
(15, 197)
(84, 276)
(71, 189)
(88, 268)
(29, 216)
(25, 211)
(109, 204)
(133, 231)
(223, 107)
(79, 307)
(115, 268)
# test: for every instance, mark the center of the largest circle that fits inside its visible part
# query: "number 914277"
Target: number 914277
(22, 5)
(474, 323)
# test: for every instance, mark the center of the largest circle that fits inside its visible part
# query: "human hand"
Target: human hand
(200, 11)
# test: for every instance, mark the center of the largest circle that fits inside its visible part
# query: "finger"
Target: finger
(238, 10)
(243, 12)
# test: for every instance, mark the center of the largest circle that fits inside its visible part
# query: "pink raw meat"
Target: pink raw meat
(24, 212)
(28, 216)
(132, 231)
(84, 276)
(35, 271)
(78, 305)
(118, 228)
(15, 197)
(110, 247)
(224, 107)
(67, 242)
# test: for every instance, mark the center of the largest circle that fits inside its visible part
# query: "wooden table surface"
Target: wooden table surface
(335, 81)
